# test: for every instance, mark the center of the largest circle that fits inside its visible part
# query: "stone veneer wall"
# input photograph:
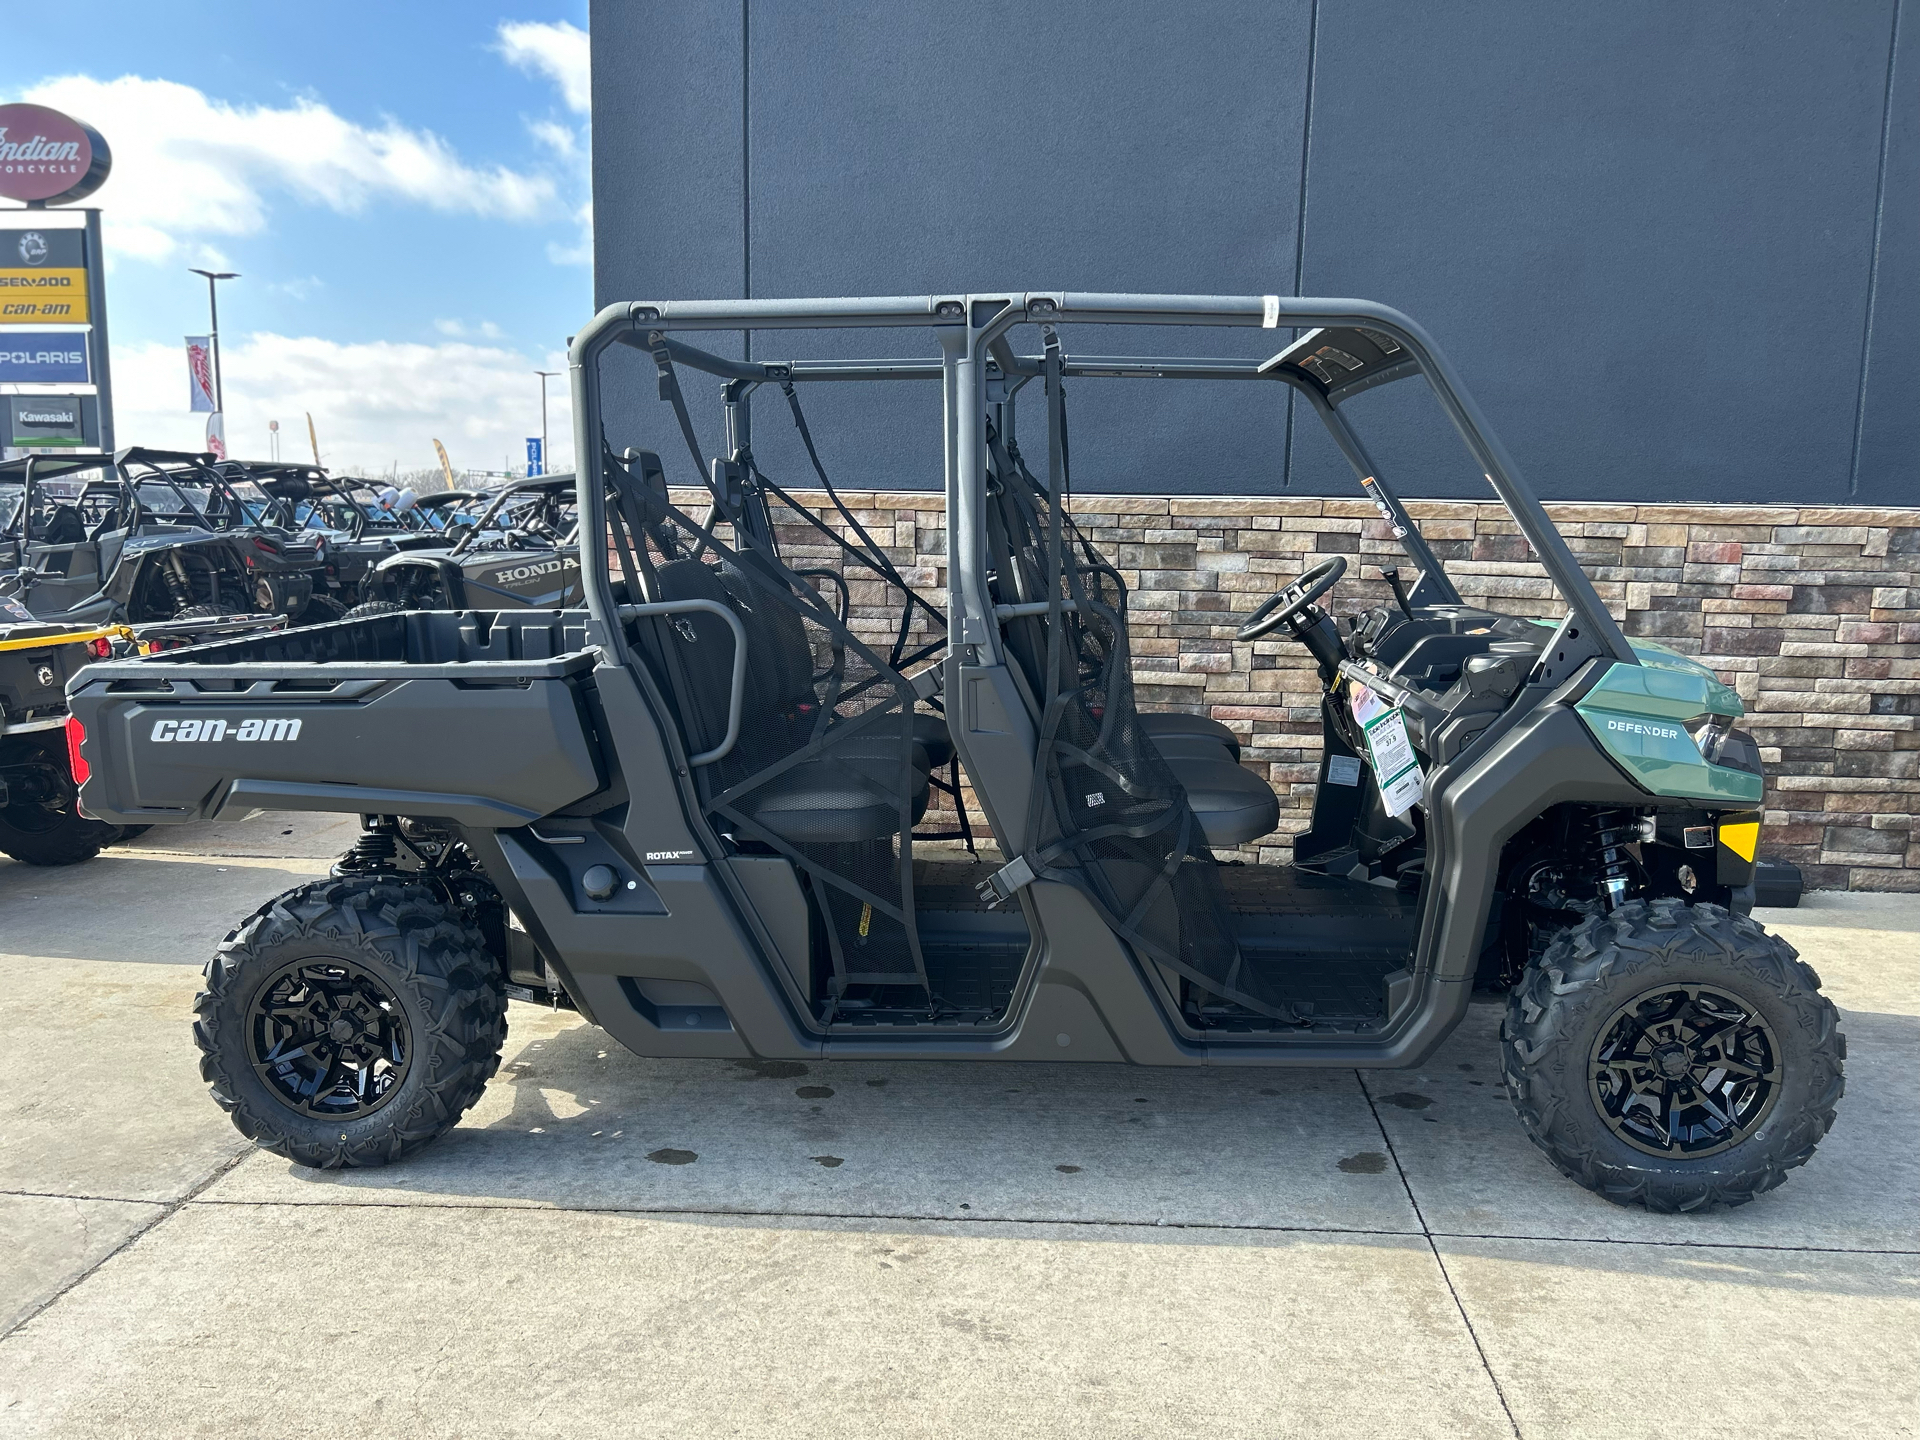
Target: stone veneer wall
(1812, 615)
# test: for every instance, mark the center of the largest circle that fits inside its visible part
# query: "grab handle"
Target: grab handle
(738, 695)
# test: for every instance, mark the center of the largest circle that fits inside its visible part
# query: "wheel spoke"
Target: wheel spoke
(1685, 1070)
(290, 1045)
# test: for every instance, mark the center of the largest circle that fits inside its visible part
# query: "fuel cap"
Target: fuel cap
(600, 882)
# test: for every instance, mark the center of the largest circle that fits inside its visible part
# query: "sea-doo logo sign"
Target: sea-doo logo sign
(513, 575)
(191, 731)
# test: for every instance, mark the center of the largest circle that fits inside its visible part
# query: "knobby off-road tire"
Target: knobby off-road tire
(375, 607)
(213, 612)
(1566, 1029)
(321, 610)
(47, 828)
(430, 979)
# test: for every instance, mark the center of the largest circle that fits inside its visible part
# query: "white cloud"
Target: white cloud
(556, 137)
(581, 251)
(558, 51)
(188, 167)
(376, 406)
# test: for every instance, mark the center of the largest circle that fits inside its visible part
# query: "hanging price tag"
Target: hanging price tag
(1395, 766)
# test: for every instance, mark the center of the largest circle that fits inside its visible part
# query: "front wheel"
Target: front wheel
(350, 1022)
(1673, 1056)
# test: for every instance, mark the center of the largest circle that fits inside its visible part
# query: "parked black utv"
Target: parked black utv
(357, 531)
(40, 819)
(692, 808)
(522, 551)
(147, 535)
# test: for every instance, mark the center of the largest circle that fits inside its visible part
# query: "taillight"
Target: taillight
(76, 737)
(260, 542)
(100, 648)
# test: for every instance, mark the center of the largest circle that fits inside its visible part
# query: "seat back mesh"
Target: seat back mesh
(1108, 815)
(826, 718)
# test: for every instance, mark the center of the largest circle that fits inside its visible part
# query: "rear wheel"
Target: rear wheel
(212, 612)
(350, 1022)
(1673, 1056)
(42, 823)
(321, 609)
(375, 607)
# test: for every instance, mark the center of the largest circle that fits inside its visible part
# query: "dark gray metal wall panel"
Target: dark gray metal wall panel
(668, 201)
(1645, 232)
(1642, 231)
(1886, 465)
(907, 146)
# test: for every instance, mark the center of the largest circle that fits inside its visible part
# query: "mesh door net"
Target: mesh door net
(1107, 814)
(825, 770)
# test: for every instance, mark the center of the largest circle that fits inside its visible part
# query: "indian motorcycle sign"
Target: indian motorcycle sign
(47, 158)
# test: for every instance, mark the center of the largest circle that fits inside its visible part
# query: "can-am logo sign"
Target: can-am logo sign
(49, 157)
(279, 727)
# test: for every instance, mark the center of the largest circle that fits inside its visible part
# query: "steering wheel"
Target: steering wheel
(1283, 607)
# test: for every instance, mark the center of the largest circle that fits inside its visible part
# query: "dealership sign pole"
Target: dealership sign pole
(53, 284)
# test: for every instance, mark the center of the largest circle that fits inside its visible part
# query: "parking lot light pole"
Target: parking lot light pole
(546, 459)
(213, 315)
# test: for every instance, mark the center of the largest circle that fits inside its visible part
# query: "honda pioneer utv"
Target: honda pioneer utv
(697, 813)
(522, 551)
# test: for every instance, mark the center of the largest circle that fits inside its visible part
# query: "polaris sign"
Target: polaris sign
(43, 357)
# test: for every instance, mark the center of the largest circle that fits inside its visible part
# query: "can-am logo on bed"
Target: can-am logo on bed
(277, 728)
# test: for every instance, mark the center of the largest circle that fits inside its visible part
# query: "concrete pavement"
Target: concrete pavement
(898, 1249)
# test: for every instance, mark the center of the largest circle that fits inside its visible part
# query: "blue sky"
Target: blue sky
(403, 188)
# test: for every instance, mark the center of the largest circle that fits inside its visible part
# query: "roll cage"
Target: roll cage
(1349, 347)
(1480, 791)
(539, 503)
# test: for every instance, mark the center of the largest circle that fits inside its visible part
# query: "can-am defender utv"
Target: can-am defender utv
(522, 551)
(695, 819)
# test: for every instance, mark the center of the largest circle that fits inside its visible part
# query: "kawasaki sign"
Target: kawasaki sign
(47, 158)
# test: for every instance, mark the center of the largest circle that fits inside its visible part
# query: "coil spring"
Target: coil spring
(1613, 831)
(376, 849)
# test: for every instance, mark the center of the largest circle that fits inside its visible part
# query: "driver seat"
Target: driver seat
(1232, 805)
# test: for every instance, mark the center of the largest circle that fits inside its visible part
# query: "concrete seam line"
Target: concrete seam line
(169, 1208)
(901, 1217)
(1201, 1225)
(1439, 1260)
(1206, 1226)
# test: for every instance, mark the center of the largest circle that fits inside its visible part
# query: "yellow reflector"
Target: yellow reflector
(1743, 839)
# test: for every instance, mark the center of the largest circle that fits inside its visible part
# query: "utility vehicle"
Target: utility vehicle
(689, 807)
(149, 535)
(522, 550)
(41, 822)
(356, 532)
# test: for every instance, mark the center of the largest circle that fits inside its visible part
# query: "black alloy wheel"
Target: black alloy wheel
(329, 1038)
(1685, 1071)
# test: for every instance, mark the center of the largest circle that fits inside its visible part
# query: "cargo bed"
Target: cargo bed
(349, 717)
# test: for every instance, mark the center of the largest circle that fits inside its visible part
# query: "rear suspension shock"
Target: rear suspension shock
(377, 848)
